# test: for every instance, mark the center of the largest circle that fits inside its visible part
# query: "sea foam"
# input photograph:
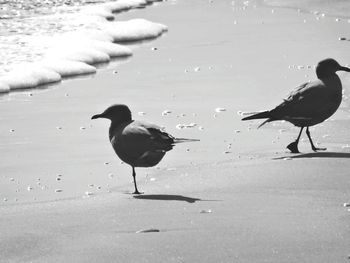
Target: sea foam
(135, 29)
(67, 68)
(27, 76)
(76, 52)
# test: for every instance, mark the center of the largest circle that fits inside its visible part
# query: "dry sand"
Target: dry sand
(236, 196)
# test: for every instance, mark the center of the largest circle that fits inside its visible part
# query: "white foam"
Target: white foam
(135, 29)
(75, 52)
(112, 49)
(68, 68)
(30, 76)
(83, 54)
(106, 10)
(82, 47)
(4, 87)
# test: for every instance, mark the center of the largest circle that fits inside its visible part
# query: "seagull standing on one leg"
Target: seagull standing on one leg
(137, 143)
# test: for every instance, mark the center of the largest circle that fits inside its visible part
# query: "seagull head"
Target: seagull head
(328, 67)
(116, 113)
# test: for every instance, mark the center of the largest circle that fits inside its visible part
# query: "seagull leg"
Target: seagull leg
(293, 147)
(315, 149)
(134, 176)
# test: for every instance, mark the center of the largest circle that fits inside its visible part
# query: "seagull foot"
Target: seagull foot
(293, 147)
(315, 149)
(137, 193)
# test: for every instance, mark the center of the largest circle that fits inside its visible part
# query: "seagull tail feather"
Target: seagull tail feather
(266, 121)
(180, 140)
(259, 115)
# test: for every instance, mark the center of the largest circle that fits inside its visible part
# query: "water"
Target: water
(338, 8)
(64, 37)
(22, 20)
(30, 28)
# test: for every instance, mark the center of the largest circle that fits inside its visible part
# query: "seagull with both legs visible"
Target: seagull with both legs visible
(139, 144)
(309, 104)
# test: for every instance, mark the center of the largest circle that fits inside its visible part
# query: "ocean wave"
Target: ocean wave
(82, 40)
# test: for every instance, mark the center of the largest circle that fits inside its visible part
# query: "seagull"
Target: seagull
(137, 143)
(310, 103)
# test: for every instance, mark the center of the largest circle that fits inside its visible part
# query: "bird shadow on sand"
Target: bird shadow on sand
(316, 155)
(164, 197)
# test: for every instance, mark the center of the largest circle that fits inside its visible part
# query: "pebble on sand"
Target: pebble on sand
(220, 109)
(58, 190)
(208, 211)
(166, 112)
(141, 113)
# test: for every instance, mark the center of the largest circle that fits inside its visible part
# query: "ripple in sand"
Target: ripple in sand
(141, 113)
(150, 230)
(208, 211)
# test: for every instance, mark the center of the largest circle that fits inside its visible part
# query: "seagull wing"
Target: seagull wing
(142, 144)
(307, 102)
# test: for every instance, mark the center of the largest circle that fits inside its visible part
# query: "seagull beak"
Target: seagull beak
(344, 69)
(96, 116)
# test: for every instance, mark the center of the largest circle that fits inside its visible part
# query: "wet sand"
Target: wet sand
(236, 196)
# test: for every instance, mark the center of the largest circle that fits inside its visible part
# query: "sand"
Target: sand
(235, 196)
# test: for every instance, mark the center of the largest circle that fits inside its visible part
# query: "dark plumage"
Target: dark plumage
(137, 143)
(309, 104)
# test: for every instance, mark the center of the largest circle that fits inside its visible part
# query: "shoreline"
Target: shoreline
(237, 195)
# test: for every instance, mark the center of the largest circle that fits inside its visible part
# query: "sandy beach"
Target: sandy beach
(238, 195)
